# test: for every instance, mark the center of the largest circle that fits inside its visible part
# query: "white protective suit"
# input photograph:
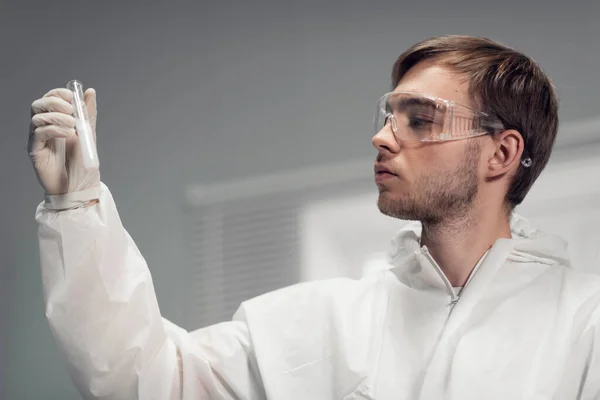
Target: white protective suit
(526, 326)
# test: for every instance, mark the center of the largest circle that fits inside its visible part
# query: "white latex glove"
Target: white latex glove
(54, 149)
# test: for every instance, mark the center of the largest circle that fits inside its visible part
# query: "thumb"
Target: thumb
(90, 104)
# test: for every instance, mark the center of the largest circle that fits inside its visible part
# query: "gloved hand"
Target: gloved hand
(53, 144)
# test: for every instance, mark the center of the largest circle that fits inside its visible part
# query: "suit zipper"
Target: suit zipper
(437, 268)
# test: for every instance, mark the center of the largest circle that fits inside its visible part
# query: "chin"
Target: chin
(400, 207)
(390, 205)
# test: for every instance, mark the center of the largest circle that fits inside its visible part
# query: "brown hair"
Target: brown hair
(503, 83)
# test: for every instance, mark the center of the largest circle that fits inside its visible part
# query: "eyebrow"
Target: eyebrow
(403, 101)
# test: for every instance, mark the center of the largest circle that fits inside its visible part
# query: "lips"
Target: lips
(380, 169)
(382, 174)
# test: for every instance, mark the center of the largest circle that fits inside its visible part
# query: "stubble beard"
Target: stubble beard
(437, 196)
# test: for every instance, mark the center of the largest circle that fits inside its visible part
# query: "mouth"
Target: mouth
(383, 174)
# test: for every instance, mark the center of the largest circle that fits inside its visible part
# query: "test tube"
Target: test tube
(83, 127)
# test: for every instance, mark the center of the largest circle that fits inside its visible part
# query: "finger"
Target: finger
(42, 134)
(45, 133)
(51, 104)
(53, 118)
(90, 103)
(63, 93)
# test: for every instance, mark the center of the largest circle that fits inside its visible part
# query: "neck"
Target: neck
(458, 243)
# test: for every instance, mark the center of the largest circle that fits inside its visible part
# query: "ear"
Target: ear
(507, 153)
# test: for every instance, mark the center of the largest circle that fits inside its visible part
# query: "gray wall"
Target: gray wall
(206, 92)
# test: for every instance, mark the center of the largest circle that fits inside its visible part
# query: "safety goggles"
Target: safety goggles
(416, 117)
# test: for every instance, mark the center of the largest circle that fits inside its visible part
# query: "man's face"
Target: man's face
(431, 181)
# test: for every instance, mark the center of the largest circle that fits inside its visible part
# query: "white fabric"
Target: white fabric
(526, 325)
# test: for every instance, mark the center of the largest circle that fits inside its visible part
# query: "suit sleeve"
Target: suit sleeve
(102, 309)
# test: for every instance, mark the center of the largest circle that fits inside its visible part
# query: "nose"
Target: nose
(385, 140)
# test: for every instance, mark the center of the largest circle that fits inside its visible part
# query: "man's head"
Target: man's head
(435, 180)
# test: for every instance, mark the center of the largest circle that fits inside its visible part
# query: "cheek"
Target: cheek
(435, 160)
(448, 156)
(427, 163)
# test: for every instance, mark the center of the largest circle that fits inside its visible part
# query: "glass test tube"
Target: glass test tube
(83, 127)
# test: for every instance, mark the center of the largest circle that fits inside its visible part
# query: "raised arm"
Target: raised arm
(100, 301)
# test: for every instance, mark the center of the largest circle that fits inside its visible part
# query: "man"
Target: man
(476, 305)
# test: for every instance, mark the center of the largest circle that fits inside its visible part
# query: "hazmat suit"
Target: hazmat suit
(525, 326)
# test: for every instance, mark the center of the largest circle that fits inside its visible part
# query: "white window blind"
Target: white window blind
(240, 249)
(245, 237)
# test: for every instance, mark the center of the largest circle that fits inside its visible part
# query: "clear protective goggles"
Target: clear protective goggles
(416, 117)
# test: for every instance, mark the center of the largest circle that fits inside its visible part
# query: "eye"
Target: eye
(416, 122)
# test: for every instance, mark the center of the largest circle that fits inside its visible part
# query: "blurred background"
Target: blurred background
(237, 135)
